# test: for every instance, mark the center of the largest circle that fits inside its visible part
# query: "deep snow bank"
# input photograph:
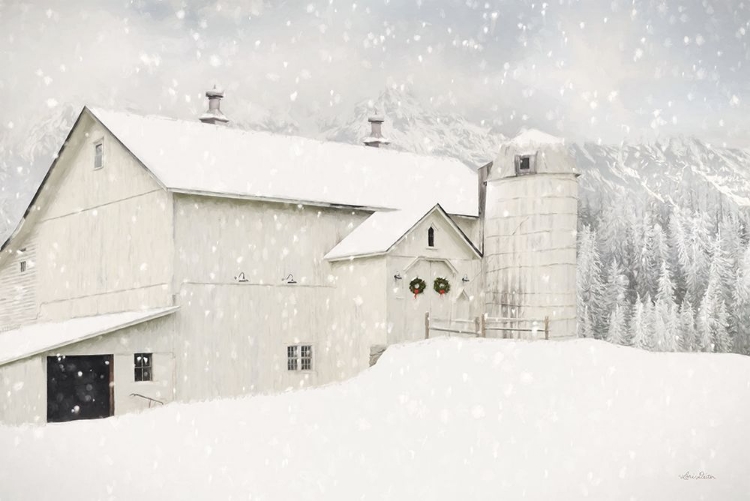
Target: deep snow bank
(441, 419)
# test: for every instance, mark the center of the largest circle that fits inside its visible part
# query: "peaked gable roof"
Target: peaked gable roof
(193, 157)
(379, 233)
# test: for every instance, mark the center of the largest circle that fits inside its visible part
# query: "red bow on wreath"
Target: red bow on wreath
(417, 286)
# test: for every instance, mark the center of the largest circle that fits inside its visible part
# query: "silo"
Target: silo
(529, 226)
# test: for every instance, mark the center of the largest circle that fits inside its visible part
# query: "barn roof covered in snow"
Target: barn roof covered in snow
(34, 339)
(194, 157)
(384, 229)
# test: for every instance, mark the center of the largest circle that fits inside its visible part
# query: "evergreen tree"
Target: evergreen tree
(588, 282)
(586, 324)
(639, 334)
(617, 329)
(741, 305)
(649, 317)
(721, 341)
(614, 292)
(687, 327)
(666, 328)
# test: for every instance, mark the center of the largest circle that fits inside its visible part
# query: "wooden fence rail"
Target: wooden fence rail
(483, 323)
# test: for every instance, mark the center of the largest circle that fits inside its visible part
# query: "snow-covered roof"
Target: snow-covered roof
(38, 338)
(194, 157)
(535, 137)
(383, 229)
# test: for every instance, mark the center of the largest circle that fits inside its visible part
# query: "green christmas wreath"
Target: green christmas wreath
(417, 286)
(441, 285)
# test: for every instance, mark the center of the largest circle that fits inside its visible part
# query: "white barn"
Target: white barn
(164, 260)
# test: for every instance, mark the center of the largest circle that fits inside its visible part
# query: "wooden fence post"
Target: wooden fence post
(427, 325)
(477, 327)
(546, 328)
(483, 325)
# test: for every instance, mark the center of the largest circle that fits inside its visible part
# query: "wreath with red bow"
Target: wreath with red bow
(417, 286)
(441, 285)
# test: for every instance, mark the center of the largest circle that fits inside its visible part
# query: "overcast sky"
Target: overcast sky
(607, 70)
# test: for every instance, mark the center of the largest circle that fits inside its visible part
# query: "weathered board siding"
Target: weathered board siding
(18, 289)
(470, 226)
(23, 392)
(232, 336)
(361, 305)
(23, 384)
(102, 237)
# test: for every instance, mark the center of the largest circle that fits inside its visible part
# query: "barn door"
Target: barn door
(417, 306)
(440, 305)
(79, 388)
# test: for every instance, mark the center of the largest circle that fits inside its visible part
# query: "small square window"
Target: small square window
(98, 155)
(23, 266)
(143, 366)
(299, 358)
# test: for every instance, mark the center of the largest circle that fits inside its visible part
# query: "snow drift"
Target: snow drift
(441, 419)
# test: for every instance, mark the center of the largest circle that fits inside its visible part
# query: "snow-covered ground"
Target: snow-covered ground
(441, 419)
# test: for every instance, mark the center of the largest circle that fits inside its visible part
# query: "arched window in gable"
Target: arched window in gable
(431, 237)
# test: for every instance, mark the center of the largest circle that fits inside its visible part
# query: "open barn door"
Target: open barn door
(79, 387)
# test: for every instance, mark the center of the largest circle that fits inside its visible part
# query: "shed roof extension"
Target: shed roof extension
(38, 338)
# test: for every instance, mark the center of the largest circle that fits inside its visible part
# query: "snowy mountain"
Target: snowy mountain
(411, 126)
(676, 171)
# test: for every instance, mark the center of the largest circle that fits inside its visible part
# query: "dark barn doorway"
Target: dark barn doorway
(79, 388)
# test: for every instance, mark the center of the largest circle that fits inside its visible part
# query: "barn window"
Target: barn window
(143, 366)
(291, 358)
(23, 266)
(98, 155)
(306, 358)
(431, 237)
(299, 357)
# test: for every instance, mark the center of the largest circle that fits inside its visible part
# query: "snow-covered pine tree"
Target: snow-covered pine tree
(588, 282)
(639, 335)
(740, 314)
(615, 286)
(586, 323)
(666, 329)
(649, 259)
(687, 327)
(721, 340)
(696, 271)
(707, 313)
(678, 244)
(617, 329)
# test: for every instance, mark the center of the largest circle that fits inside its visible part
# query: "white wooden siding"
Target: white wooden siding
(18, 289)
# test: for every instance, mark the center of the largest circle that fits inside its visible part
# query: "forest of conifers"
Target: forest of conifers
(664, 277)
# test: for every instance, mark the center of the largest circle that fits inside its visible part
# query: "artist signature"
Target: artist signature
(697, 476)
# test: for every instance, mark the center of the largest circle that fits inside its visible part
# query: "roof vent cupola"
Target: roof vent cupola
(214, 115)
(375, 139)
